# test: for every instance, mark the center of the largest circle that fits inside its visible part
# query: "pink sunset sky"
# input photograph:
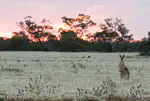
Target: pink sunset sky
(134, 13)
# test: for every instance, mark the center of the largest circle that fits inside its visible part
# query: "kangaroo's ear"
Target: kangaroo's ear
(120, 55)
(123, 55)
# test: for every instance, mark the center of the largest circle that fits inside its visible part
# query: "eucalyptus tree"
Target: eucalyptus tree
(35, 32)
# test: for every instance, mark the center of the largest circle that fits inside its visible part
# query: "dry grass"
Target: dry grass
(119, 98)
(63, 99)
(11, 69)
(112, 98)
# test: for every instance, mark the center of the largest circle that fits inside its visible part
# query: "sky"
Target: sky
(134, 13)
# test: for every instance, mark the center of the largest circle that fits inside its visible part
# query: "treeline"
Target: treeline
(18, 43)
(74, 36)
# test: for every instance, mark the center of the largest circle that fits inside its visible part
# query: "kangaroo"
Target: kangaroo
(124, 72)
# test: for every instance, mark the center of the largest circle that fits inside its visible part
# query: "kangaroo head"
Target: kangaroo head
(122, 57)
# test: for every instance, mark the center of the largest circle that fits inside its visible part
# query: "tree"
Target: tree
(105, 36)
(70, 42)
(80, 24)
(68, 35)
(35, 32)
(113, 31)
(145, 45)
(118, 27)
(16, 42)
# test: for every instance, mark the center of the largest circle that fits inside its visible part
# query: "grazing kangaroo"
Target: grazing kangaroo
(124, 72)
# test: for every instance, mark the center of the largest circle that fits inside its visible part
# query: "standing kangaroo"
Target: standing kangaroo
(124, 72)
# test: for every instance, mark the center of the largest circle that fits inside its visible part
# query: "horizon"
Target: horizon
(133, 13)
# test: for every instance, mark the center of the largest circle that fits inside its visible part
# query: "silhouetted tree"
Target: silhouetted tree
(70, 42)
(79, 24)
(113, 31)
(16, 42)
(145, 45)
(120, 28)
(68, 35)
(35, 32)
(105, 36)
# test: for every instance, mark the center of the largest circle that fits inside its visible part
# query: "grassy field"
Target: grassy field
(56, 74)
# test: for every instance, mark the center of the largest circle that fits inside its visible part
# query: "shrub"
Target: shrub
(144, 54)
(107, 87)
(38, 86)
